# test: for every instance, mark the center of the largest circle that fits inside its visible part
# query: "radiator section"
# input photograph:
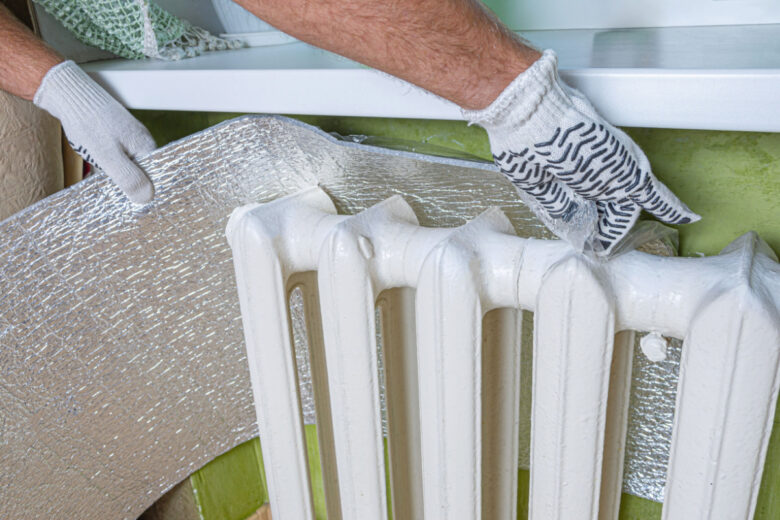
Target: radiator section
(450, 303)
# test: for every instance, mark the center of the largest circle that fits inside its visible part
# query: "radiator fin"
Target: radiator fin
(451, 303)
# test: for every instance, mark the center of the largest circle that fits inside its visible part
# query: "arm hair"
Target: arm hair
(24, 58)
(456, 49)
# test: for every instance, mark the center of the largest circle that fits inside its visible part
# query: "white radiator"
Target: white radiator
(448, 300)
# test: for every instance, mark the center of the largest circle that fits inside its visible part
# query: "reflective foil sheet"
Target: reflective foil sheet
(122, 365)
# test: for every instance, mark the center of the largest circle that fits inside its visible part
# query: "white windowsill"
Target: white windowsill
(724, 78)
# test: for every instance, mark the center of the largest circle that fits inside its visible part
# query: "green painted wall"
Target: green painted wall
(232, 486)
(731, 178)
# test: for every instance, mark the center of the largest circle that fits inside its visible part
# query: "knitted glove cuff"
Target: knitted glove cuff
(521, 98)
(67, 88)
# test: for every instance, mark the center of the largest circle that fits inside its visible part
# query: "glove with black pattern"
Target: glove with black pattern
(585, 179)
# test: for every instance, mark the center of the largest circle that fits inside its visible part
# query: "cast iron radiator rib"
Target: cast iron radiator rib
(452, 376)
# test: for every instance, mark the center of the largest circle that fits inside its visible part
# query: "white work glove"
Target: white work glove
(98, 128)
(584, 178)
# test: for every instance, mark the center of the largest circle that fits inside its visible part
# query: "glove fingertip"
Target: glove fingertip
(685, 216)
(142, 194)
(674, 212)
(658, 200)
(133, 182)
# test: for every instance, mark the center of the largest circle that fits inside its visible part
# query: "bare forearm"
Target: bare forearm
(24, 59)
(453, 48)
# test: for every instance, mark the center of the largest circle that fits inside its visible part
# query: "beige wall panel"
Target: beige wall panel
(30, 154)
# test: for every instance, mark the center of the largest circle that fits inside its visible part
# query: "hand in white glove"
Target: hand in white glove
(99, 129)
(587, 180)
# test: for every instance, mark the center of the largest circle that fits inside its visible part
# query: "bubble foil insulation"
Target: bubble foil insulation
(122, 363)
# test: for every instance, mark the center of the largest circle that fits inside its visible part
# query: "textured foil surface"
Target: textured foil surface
(122, 364)
(650, 419)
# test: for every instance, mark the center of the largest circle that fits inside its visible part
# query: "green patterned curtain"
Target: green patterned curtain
(133, 29)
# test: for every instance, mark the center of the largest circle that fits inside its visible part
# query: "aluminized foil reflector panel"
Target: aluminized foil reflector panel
(122, 365)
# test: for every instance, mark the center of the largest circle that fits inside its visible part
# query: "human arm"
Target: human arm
(101, 130)
(457, 49)
(24, 59)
